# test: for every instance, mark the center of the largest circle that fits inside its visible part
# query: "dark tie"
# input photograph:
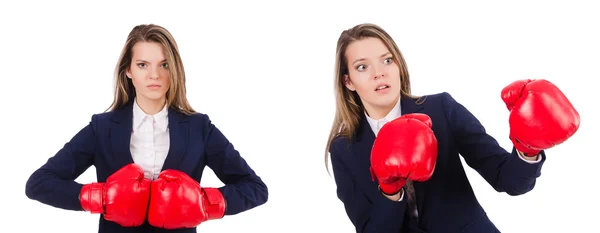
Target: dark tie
(411, 199)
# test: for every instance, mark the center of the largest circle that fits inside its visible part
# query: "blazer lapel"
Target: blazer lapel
(179, 138)
(120, 136)
(362, 144)
(364, 134)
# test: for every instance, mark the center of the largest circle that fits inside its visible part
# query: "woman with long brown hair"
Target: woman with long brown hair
(150, 150)
(395, 156)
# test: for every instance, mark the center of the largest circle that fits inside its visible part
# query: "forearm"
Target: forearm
(244, 195)
(54, 182)
(518, 175)
(46, 188)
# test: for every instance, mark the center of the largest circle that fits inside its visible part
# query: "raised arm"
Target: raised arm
(504, 171)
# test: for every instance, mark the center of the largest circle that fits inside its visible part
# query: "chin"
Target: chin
(392, 99)
(388, 103)
(154, 96)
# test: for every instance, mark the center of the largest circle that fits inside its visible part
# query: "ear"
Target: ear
(348, 83)
(128, 73)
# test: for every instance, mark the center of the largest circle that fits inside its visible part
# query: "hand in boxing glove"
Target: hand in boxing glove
(541, 116)
(405, 148)
(178, 201)
(123, 198)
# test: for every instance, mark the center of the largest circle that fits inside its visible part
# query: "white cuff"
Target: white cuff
(401, 196)
(522, 156)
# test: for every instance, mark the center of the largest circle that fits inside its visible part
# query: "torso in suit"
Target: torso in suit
(446, 202)
(194, 143)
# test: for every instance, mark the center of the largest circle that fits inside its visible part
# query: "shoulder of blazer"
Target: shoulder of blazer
(101, 120)
(435, 98)
(338, 141)
(339, 147)
(196, 120)
(196, 117)
(103, 117)
(442, 102)
(199, 122)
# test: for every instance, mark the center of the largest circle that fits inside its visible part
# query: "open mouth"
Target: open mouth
(382, 87)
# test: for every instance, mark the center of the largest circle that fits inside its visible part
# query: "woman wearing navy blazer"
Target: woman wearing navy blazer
(372, 87)
(149, 150)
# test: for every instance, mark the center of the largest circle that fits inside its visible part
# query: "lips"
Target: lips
(382, 87)
(154, 86)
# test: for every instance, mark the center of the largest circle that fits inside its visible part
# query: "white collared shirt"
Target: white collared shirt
(376, 124)
(150, 140)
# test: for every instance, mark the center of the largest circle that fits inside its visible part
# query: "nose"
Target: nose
(378, 72)
(154, 73)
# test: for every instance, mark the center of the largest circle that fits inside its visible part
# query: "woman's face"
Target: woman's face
(149, 72)
(374, 75)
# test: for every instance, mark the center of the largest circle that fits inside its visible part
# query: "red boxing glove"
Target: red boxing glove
(178, 201)
(405, 148)
(123, 198)
(541, 116)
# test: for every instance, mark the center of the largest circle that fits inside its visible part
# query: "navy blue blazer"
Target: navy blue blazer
(446, 202)
(104, 143)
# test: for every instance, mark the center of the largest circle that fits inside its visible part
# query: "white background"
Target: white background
(263, 72)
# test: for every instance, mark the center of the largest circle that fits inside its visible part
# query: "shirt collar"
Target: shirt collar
(392, 115)
(160, 118)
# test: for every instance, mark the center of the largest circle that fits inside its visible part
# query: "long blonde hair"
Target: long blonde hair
(348, 107)
(125, 91)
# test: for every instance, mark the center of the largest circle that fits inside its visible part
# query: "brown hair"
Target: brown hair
(125, 91)
(348, 107)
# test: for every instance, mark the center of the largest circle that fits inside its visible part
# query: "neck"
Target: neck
(379, 112)
(151, 107)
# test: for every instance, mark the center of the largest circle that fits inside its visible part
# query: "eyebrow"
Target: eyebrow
(141, 60)
(362, 59)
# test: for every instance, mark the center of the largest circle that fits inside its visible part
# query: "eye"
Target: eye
(141, 65)
(388, 60)
(361, 67)
(165, 65)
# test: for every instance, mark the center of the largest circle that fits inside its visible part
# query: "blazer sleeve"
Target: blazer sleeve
(368, 215)
(243, 189)
(504, 171)
(54, 182)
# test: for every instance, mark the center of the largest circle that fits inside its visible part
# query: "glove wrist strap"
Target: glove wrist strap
(91, 198)
(215, 203)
